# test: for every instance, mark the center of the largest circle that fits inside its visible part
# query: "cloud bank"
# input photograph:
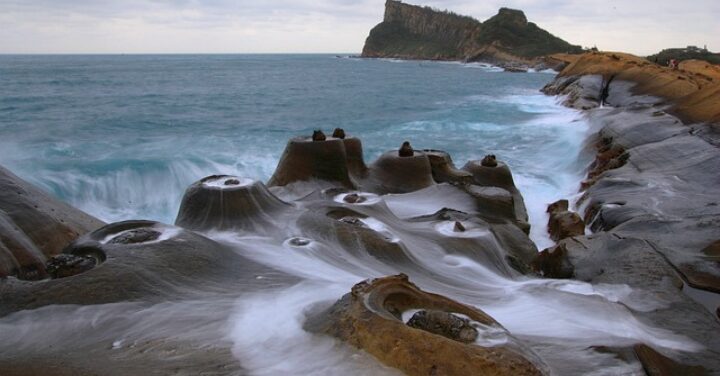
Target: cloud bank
(305, 26)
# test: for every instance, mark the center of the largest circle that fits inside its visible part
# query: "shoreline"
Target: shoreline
(650, 199)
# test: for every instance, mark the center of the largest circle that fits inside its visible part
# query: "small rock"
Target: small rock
(489, 161)
(232, 182)
(339, 133)
(318, 135)
(558, 206)
(459, 227)
(406, 150)
(354, 198)
(299, 242)
(352, 221)
(444, 324)
(140, 235)
(66, 265)
(553, 263)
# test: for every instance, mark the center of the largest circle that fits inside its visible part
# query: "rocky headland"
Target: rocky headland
(413, 32)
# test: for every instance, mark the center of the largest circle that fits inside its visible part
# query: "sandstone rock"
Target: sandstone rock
(318, 135)
(305, 160)
(211, 203)
(34, 226)
(657, 364)
(445, 324)
(339, 133)
(563, 223)
(391, 173)
(405, 150)
(443, 169)
(370, 319)
(179, 265)
(489, 161)
(553, 263)
(67, 265)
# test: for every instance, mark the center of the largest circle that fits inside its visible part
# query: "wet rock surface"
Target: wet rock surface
(564, 223)
(651, 200)
(445, 324)
(369, 318)
(34, 226)
(68, 265)
(212, 203)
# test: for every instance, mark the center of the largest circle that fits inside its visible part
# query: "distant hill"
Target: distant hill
(687, 53)
(413, 32)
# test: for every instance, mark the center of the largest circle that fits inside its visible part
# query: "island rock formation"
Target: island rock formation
(414, 32)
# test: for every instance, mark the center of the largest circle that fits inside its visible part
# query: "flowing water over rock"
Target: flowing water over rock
(123, 137)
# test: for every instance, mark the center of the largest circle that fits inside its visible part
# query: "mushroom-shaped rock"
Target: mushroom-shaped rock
(34, 226)
(138, 261)
(224, 202)
(443, 169)
(339, 133)
(489, 161)
(305, 160)
(395, 174)
(498, 174)
(371, 318)
(406, 150)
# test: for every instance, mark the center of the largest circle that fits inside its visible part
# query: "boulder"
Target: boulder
(405, 150)
(223, 202)
(445, 324)
(564, 223)
(34, 226)
(553, 263)
(370, 317)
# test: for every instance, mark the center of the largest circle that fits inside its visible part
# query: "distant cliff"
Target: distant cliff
(687, 53)
(413, 32)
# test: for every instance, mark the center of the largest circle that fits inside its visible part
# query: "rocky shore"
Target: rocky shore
(651, 196)
(82, 297)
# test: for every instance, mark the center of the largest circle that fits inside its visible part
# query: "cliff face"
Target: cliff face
(413, 32)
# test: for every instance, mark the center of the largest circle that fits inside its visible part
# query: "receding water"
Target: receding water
(123, 136)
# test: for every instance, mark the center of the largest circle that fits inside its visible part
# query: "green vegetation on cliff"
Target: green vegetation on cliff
(414, 32)
(680, 54)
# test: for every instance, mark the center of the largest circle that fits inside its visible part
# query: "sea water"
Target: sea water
(121, 137)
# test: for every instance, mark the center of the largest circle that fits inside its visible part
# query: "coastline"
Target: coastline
(651, 196)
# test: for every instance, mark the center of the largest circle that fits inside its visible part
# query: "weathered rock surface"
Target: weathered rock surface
(392, 173)
(651, 196)
(179, 263)
(34, 226)
(370, 318)
(413, 32)
(564, 223)
(223, 202)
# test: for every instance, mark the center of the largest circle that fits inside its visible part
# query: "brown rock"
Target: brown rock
(657, 364)
(563, 223)
(489, 161)
(67, 265)
(339, 133)
(443, 169)
(553, 263)
(353, 198)
(559, 205)
(458, 227)
(369, 318)
(445, 324)
(406, 150)
(318, 135)
(305, 160)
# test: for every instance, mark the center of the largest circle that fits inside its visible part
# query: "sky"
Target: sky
(641, 27)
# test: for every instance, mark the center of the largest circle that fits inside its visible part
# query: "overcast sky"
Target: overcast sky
(341, 26)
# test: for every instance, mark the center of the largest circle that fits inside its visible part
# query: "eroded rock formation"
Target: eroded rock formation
(34, 226)
(371, 318)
